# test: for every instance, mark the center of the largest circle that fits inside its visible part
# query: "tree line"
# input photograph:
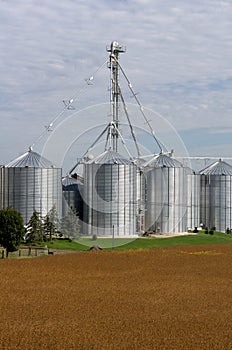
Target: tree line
(38, 229)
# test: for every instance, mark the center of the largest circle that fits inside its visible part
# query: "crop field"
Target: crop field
(163, 298)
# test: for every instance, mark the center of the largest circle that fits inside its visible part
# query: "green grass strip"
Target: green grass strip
(85, 243)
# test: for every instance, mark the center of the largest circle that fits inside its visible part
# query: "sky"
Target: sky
(178, 59)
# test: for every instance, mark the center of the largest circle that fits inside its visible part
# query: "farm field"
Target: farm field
(163, 298)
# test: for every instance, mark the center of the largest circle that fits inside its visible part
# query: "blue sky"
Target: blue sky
(178, 59)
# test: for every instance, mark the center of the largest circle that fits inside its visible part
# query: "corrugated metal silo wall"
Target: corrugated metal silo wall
(205, 201)
(193, 200)
(28, 189)
(72, 198)
(109, 199)
(140, 200)
(166, 209)
(216, 201)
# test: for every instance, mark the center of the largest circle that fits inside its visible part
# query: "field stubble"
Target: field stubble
(169, 298)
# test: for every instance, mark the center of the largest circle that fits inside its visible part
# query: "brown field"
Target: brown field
(172, 298)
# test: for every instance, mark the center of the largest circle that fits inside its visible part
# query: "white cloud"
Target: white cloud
(178, 58)
(221, 131)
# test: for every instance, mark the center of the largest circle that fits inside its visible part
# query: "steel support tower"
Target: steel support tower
(115, 49)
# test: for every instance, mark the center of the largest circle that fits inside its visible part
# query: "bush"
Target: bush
(11, 229)
(206, 230)
(94, 237)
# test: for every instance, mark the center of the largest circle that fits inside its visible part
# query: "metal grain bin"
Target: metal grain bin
(193, 199)
(140, 195)
(32, 183)
(216, 196)
(72, 195)
(110, 195)
(166, 205)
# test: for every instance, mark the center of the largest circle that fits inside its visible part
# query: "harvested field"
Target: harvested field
(167, 298)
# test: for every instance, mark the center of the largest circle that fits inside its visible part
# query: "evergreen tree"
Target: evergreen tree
(70, 224)
(51, 223)
(48, 227)
(11, 229)
(35, 230)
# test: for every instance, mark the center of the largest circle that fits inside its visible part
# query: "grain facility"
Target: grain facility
(72, 187)
(110, 195)
(216, 196)
(119, 191)
(31, 182)
(166, 204)
(193, 199)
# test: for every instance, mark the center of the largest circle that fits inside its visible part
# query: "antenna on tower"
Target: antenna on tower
(115, 49)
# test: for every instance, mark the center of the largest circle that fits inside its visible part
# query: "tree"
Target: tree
(48, 227)
(70, 225)
(11, 229)
(35, 230)
(51, 223)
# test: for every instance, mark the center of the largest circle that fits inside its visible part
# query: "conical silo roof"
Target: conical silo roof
(218, 168)
(70, 182)
(30, 159)
(110, 157)
(163, 161)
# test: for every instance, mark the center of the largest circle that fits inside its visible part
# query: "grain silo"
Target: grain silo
(72, 194)
(140, 195)
(216, 196)
(110, 195)
(32, 183)
(166, 205)
(193, 199)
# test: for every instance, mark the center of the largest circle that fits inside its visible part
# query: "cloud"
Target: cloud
(178, 58)
(227, 131)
